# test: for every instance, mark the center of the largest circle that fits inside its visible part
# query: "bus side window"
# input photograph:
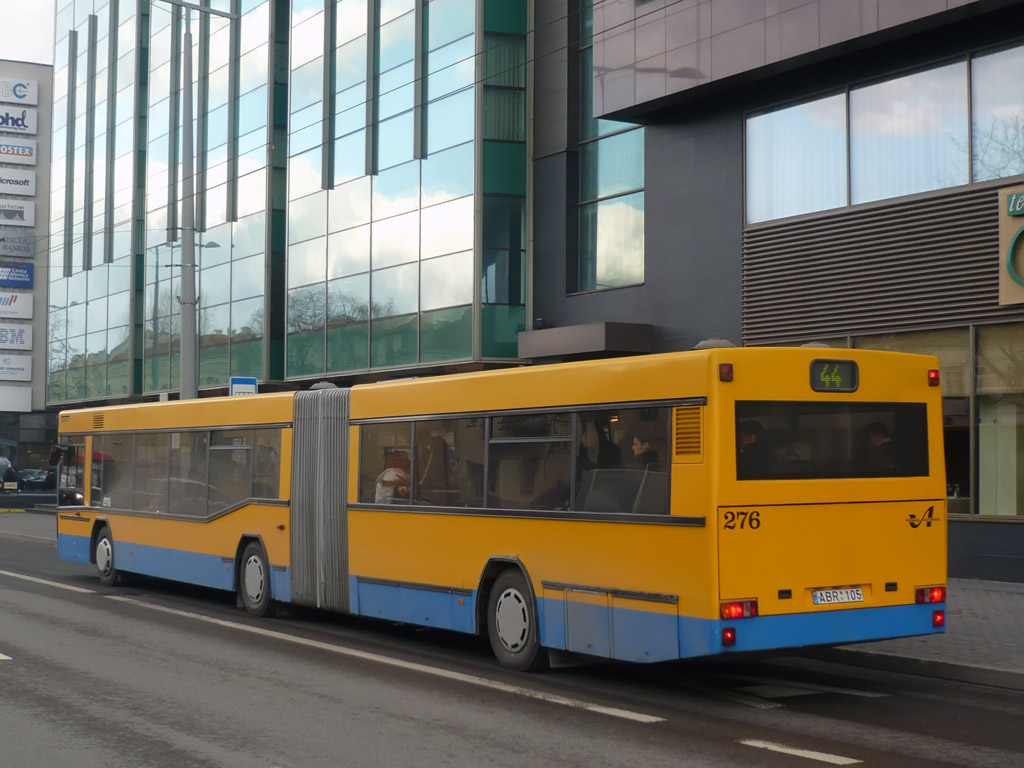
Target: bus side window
(385, 463)
(449, 463)
(230, 468)
(266, 471)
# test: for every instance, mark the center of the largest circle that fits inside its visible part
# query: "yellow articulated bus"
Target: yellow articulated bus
(644, 509)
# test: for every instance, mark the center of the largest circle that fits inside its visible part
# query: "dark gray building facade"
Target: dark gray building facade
(809, 171)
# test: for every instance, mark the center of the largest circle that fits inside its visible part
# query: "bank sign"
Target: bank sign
(15, 306)
(18, 151)
(15, 367)
(23, 246)
(16, 274)
(19, 91)
(14, 182)
(16, 337)
(1011, 245)
(18, 120)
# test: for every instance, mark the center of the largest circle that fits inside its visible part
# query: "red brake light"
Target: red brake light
(933, 378)
(739, 609)
(725, 371)
(938, 618)
(728, 636)
(930, 595)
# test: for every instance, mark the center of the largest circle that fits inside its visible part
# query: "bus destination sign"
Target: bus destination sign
(834, 376)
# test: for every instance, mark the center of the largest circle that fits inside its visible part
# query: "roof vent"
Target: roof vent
(816, 344)
(324, 385)
(713, 343)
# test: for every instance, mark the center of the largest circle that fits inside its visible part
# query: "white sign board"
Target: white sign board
(15, 306)
(18, 213)
(14, 182)
(19, 151)
(22, 246)
(15, 367)
(242, 385)
(16, 337)
(19, 91)
(15, 398)
(19, 120)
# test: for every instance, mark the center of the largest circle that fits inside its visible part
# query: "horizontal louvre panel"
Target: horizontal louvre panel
(921, 263)
(688, 434)
(97, 421)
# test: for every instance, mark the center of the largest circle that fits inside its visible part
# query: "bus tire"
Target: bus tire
(103, 554)
(512, 624)
(254, 581)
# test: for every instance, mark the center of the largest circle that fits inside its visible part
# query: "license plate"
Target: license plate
(831, 596)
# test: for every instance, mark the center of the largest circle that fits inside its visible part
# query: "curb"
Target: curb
(965, 673)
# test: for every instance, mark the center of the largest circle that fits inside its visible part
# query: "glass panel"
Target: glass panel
(247, 318)
(450, 121)
(230, 469)
(619, 465)
(501, 325)
(349, 205)
(348, 300)
(612, 243)
(215, 285)
(350, 157)
(796, 159)
(307, 83)
(909, 134)
(449, 463)
(393, 341)
(395, 137)
(529, 475)
(998, 115)
(589, 127)
(448, 174)
(612, 166)
(247, 358)
(395, 290)
(446, 228)
(348, 252)
(396, 190)
(396, 240)
(188, 473)
(788, 440)
(151, 457)
(384, 463)
(450, 68)
(450, 20)
(306, 308)
(307, 217)
(446, 334)
(952, 347)
(446, 281)
(306, 353)
(1000, 421)
(249, 236)
(247, 277)
(307, 262)
(348, 347)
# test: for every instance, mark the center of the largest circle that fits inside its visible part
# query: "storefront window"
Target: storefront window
(1001, 420)
(953, 349)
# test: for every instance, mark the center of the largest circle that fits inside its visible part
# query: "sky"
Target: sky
(26, 33)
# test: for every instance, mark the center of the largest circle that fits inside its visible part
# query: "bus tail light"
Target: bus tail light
(739, 609)
(930, 595)
(728, 636)
(938, 618)
(725, 371)
(933, 377)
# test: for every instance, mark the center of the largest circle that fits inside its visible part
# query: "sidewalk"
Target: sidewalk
(983, 642)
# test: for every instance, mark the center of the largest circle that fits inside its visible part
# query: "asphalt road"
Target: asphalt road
(156, 674)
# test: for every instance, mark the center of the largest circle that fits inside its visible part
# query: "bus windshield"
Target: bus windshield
(815, 440)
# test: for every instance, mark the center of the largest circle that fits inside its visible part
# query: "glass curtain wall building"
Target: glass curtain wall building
(115, 231)
(407, 167)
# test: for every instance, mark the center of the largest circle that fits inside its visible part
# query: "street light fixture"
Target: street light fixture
(189, 347)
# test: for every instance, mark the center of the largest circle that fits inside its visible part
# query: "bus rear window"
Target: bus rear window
(803, 440)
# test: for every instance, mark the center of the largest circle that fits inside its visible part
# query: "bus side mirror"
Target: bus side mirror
(56, 453)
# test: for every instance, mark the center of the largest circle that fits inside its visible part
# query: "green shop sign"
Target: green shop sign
(1014, 207)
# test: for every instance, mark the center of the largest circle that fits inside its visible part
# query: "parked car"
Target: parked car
(37, 479)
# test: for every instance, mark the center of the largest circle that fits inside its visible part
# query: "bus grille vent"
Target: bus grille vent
(97, 421)
(688, 443)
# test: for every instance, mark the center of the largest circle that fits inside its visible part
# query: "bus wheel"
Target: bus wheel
(104, 556)
(254, 581)
(512, 624)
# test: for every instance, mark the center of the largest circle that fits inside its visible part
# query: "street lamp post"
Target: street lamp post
(187, 300)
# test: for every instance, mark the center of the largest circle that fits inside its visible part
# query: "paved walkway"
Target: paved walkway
(983, 642)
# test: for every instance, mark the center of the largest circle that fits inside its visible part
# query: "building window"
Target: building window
(611, 183)
(942, 127)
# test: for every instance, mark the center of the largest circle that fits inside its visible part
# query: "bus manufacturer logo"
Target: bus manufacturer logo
(926, 518)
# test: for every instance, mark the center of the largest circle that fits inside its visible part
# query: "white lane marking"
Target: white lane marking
(5, 658)
(776, 691)
(822, 757)
(480, 682)
(57, 584)
(810, 687)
